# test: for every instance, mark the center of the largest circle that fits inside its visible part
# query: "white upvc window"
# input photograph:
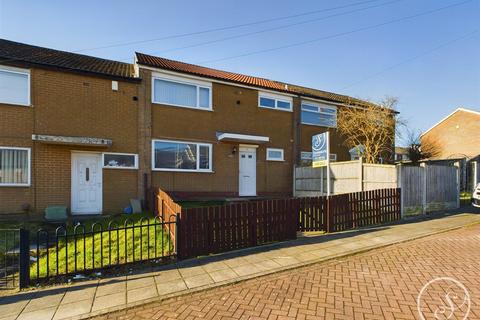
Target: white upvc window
(170, 155)
(181, 92)
(111, 160)
(319, 114)
(274, 154)
(14, 86)
(274, 101)
(14, 167)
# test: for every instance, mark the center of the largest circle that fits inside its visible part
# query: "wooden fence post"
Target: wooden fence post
(457, 166)
(400, 183)
(24, 272)
(252, 221)
(424, 187)
(329, 213)
(360, 174)
(177, 241)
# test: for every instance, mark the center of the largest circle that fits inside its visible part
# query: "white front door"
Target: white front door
(248, 172)
(86, 183)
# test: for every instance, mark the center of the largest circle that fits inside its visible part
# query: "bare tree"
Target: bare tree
(419, 149)
(370, 128)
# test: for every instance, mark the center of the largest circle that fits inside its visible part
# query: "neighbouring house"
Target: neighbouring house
(457, 137)
(90, 133)
(401, 154)
(68, 131)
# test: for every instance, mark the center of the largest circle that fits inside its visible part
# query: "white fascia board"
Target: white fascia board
(241, 137)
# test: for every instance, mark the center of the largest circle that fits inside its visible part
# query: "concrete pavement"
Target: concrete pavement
(97, 297)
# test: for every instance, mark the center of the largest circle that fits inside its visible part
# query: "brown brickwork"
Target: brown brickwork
(245, 117)
(458, 136)
(67, 104)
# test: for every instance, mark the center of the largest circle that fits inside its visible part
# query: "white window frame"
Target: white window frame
(198, 84)
(210, 154)
(120, 154)
(318, 105)
(277, 98)
(333, 157)
(19, 71)
(275, 159)
(29, 160)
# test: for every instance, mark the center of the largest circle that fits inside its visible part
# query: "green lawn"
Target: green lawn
(98, 249)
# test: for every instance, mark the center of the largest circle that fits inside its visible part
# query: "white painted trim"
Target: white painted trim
(29, 160)
(275, 159)
(238, 136)
(213, 80)
(210, 164)
(182, 80)
(276, 97)
(24, 72)
(451, 114)
(120, 154)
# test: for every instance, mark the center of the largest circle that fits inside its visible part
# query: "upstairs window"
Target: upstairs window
(274, 101)
(182, 93)
(319, 115)
(14, 166)
(14, 86)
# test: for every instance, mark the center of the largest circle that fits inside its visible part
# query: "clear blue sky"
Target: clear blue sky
(442, 75)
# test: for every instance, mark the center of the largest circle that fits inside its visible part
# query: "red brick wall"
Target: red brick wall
(68, 104)
(457, 136)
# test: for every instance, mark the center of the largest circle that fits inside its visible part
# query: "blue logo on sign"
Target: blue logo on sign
(319, 143)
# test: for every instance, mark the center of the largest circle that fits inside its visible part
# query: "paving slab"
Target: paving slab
(69, 310)
(111, 288)
(168, 287)
(90, 298)
(141, 294)
(109, 301)
(78, 294)
(38, 314)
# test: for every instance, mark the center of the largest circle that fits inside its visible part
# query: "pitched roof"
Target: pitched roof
(451, 114)
(15, 53)
(182, 67)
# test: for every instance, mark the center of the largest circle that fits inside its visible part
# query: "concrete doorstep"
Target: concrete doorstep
(90, 298)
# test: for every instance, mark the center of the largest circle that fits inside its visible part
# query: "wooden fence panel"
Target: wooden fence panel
(235, 226)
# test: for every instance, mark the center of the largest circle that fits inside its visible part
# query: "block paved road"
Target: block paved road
(380, 284)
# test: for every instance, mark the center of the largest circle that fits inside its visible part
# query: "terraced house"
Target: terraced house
(90, 134)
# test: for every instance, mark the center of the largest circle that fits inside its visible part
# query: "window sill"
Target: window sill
(10, 104)
(275, 160)
(183, 171)
(180, 106)
(13, 185)
(276, 109)
(317, 125)
(121, 168)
